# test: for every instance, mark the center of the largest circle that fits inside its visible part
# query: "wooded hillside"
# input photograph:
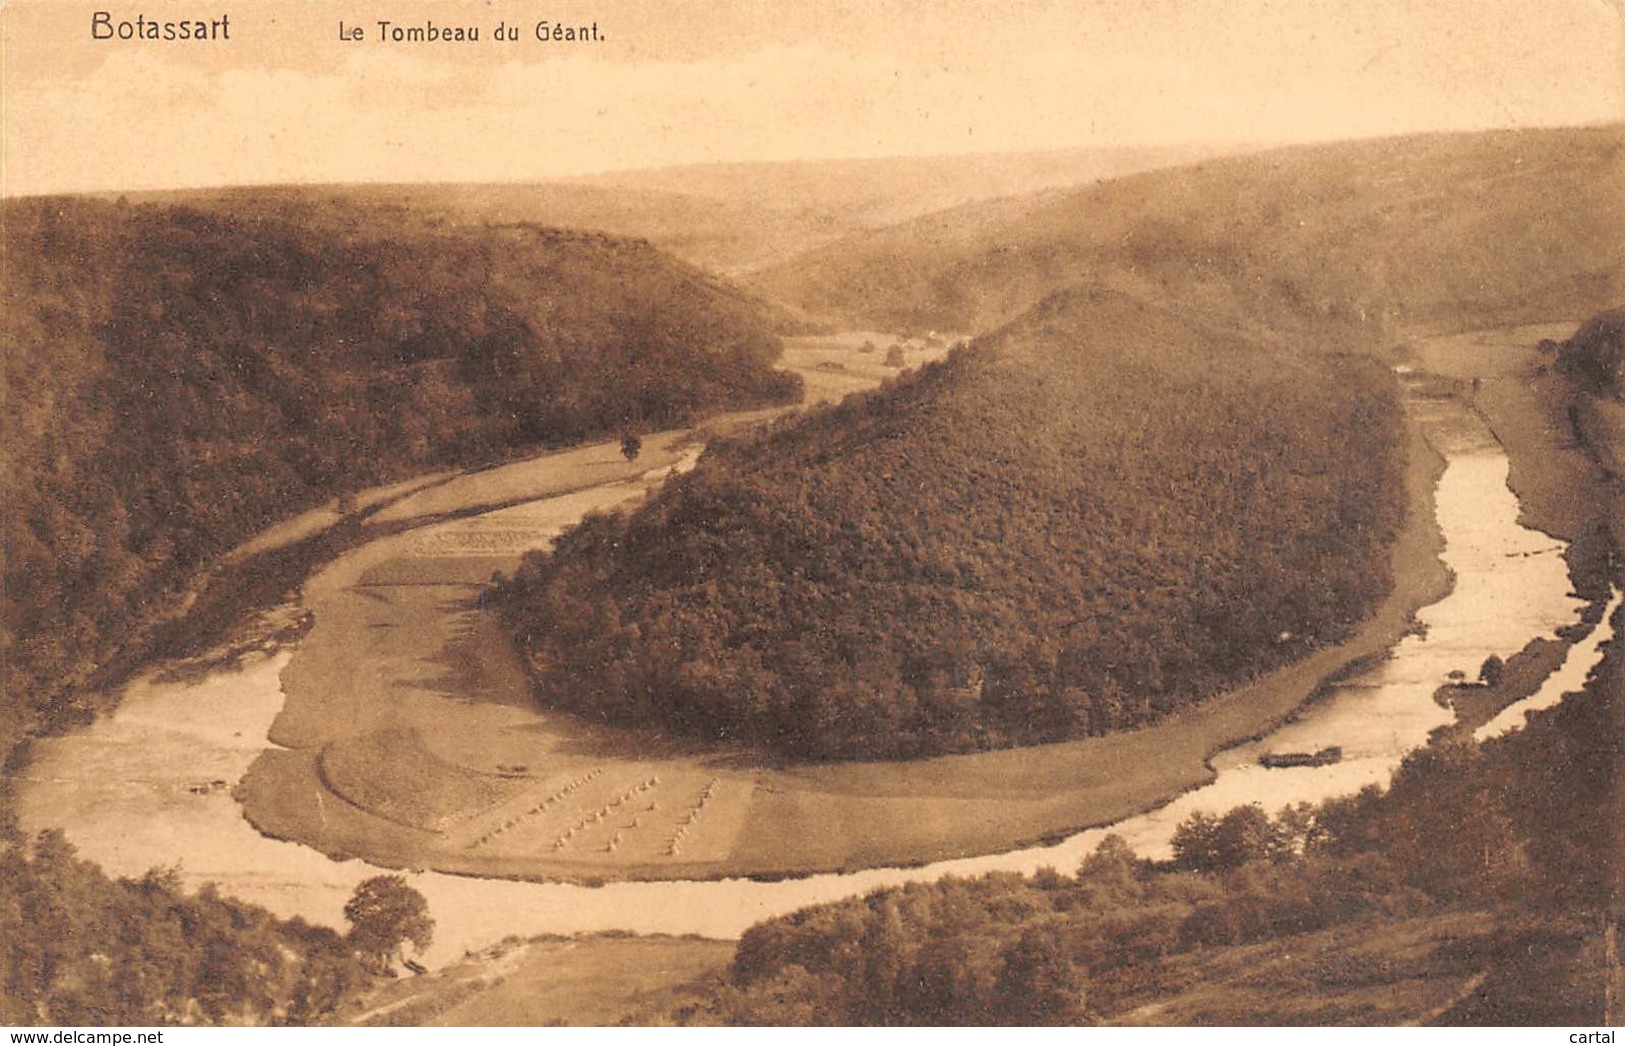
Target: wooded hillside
(1164, 475)
(1099, 516)
(1375, 237)
(176, 379)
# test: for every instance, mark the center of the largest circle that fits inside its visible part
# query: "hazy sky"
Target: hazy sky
(285, 100)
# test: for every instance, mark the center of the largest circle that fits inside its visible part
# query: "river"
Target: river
(126, 790)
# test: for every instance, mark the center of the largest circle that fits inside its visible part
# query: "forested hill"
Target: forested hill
(1103, 514)
(1425, 232)
(175, 379)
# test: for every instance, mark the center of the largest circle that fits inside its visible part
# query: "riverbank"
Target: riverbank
(411, 741)
(1557, 470)
(1527, 405)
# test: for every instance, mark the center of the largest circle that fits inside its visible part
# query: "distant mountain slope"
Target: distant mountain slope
(177, 378)
(1500, 227)
(1101, 515)
(812, 202)
(721, 234)
(730, 218)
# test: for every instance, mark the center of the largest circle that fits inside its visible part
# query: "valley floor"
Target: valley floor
(409, 738)
(453, 664)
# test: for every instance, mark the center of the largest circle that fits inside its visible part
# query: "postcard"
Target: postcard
(743, 512)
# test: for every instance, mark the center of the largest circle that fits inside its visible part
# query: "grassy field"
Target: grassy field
(1466, 968)
(585, 981)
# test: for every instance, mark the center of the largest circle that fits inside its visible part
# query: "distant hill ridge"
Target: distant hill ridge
(730, 218)
(1420, 233)
(818, 201)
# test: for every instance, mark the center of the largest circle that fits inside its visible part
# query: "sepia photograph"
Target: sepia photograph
(718, 513)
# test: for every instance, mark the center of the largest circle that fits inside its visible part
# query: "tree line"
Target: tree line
(1521, 828)
(80, 947)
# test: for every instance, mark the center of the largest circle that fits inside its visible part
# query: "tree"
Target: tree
(895, 357)
(1204, 843)
(1492, 671)
(1038, 982)
(1111, 875)
(385, 913)
(631, 446)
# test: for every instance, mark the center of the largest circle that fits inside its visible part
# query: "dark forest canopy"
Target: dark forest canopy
(176, 379)
(1099, 516)
(1596, 353)
(81, 948)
